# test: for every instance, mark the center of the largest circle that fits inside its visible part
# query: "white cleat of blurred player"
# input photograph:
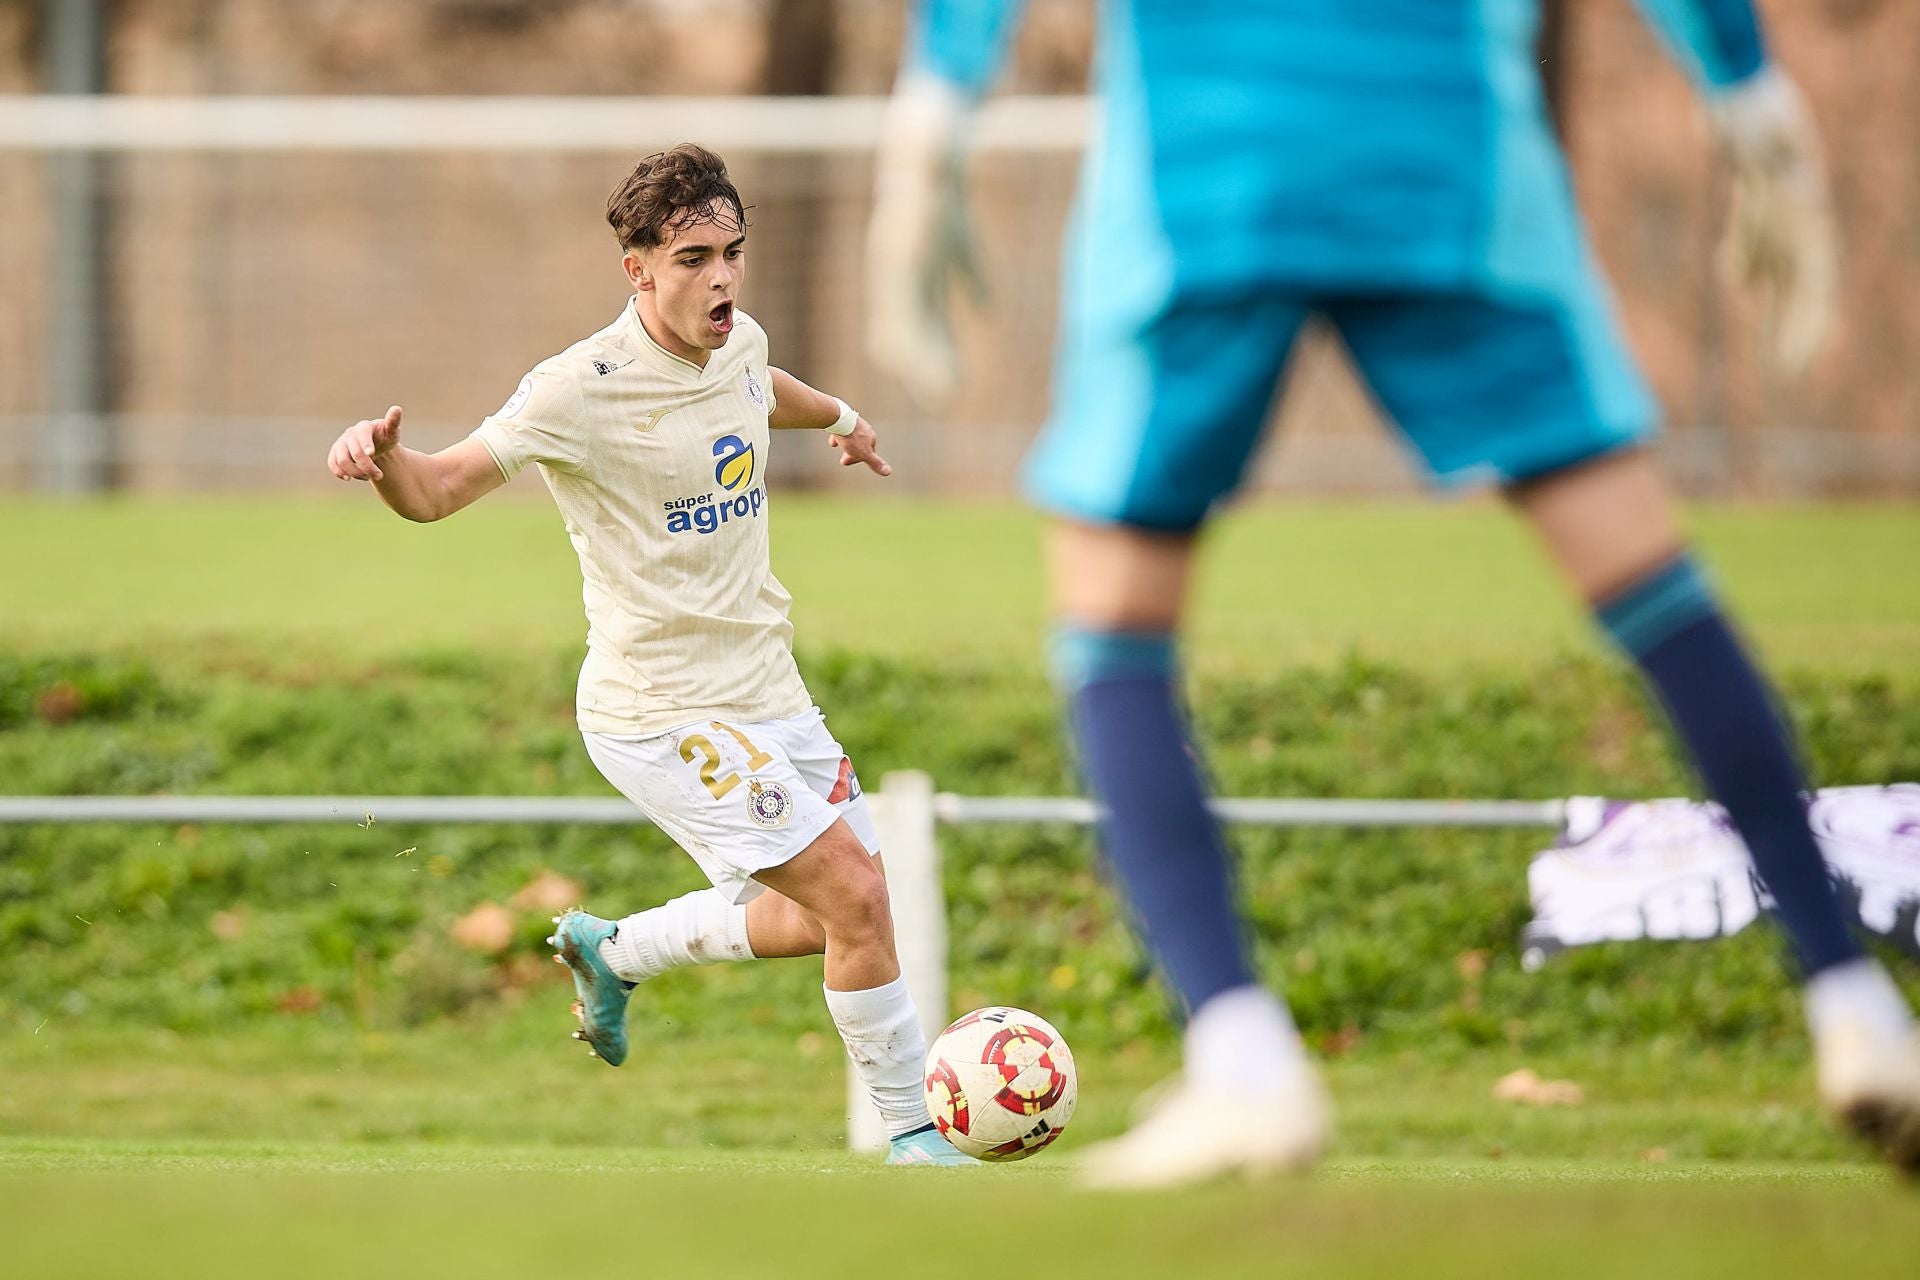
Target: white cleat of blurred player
(1199, 1132)
(1867, 1052)
(1249, 1103)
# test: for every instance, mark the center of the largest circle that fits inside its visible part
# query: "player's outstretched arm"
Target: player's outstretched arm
(798, 407)
(918, 245)
(1781, 240)
(419, 486)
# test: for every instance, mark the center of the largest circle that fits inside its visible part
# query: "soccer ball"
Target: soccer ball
(1000, 1083)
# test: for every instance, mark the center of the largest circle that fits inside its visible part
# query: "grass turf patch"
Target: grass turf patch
(1413, 583)
(293, 1211)
(169, 984)
(1389, 939)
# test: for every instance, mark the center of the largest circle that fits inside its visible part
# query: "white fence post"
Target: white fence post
(903, 811)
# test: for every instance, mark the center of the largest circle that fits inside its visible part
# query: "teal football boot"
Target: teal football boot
(925, 1146)
(601, 1005)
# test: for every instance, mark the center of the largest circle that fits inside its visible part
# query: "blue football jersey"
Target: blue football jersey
(1318, 143)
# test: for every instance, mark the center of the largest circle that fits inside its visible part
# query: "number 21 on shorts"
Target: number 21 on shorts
(697, 744)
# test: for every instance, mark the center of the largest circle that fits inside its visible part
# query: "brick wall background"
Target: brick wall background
(262, 302)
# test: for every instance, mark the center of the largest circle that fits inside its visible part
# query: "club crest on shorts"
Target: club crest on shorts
(768, 803)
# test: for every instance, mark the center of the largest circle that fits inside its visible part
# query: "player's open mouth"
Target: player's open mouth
(721, 318)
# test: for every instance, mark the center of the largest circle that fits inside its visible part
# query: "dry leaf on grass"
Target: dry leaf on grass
(547, 892)
(487, 929)
(1527, 1087)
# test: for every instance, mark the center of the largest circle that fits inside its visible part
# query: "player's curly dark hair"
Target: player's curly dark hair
(668, 191)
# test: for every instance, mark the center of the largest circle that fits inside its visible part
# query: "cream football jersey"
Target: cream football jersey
(657, 465)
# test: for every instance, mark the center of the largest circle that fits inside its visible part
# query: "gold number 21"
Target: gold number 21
(695, 744)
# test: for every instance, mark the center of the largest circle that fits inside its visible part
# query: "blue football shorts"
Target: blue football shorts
(1157, 412)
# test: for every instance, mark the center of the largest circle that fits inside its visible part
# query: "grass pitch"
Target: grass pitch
(1421, 582)
(352, 1141)
(291, 1211)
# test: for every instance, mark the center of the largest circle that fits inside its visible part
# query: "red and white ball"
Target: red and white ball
(1000, 1083)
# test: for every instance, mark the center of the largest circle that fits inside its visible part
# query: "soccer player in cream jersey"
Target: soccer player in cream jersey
(652, 435)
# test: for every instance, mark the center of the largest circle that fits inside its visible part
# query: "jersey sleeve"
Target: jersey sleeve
(963, 42)
(540, 422)
(763, 362)
(1719, 42)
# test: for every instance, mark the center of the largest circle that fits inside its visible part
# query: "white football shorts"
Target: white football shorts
(739, 797)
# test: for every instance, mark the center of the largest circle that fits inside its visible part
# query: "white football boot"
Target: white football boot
(1198, 1132)
(1870, 1082)
(1249, 1102)
(1867, 1052)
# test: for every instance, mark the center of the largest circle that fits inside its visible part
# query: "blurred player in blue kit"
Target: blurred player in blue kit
(1388, 166)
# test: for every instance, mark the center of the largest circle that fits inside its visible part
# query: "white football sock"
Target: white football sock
(695, 928)
(888, 1049)
(1859, 991)
(1243, 1040)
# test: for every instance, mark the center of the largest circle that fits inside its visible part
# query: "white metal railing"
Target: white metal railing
(957, 810)
(905, 808)
(507, 122)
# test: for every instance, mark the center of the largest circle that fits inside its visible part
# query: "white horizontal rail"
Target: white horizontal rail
(969, 810)
(585, 810)
(847, 124)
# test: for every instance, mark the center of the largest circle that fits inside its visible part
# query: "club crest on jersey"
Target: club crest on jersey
(734, 470)
(768, 804)
(754, 393)
(518, 400)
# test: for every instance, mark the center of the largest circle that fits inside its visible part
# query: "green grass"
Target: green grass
(467, 1149)
(1428, 583)
(290, 1211)
(510, 1078)
(1375, 935)
(230, 1051)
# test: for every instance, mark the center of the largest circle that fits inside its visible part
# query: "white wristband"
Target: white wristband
(846, 422)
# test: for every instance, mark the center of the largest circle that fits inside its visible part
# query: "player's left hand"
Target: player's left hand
(917, 242)
(858, 446)
(1781, 238)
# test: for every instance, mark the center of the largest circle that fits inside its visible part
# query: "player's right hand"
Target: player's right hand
(356, 454)
(917, 243)
(1782, 238)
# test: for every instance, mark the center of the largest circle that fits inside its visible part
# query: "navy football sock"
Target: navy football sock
(1669, 623)
(1163, 844)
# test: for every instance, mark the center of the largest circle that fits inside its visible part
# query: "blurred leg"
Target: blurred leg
(1118, 594)
(1249, 1099)
(1611, 526)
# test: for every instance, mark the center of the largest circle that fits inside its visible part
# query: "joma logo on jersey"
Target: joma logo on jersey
(740, 499)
